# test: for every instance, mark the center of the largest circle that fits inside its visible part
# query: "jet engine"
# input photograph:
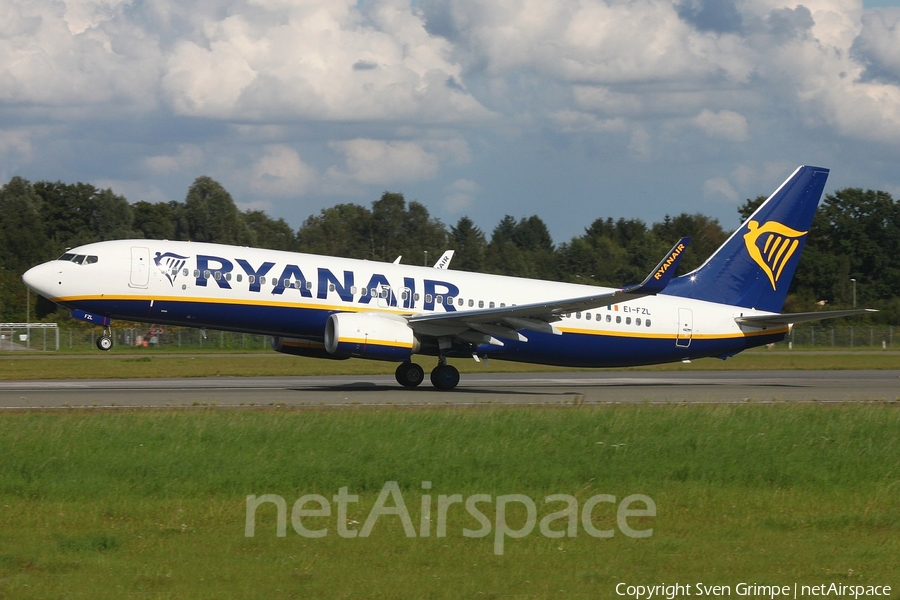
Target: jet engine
(370, 335)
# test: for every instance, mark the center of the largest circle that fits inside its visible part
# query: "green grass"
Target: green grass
(272, 364)
(149, 504)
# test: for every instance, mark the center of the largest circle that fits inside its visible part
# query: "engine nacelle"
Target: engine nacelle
(298, 347)
(370, 335)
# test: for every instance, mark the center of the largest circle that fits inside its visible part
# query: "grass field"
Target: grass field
(152, 364)
(139, 504)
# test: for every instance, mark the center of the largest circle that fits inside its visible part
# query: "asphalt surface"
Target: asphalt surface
(557, 389)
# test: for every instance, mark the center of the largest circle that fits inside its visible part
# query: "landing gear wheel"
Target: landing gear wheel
(104, 342)
(409, 374)
(444, 377)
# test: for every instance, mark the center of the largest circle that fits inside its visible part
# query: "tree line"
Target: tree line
(855, 235)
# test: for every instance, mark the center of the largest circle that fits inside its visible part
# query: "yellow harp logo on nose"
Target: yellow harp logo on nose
(771, 246)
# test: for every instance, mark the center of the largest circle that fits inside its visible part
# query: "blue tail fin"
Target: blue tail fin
(754, 267)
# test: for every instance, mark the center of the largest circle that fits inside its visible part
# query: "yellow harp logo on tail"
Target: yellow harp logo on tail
(771, 246)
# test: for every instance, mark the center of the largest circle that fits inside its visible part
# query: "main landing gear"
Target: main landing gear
(104, 342)
(443, 376)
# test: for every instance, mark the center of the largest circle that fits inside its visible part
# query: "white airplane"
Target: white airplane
(337, 308)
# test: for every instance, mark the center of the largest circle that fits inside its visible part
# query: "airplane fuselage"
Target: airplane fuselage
(292, 295)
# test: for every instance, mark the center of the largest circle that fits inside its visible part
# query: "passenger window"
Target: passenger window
(227, 276)
(608, 318)
(502, 304)
(460, 301)
(587, 316)
(416, 297)
(287, 283)
(647, 322)
(471, 303)
(628, 320)
(428, 298)
(218, 275)
(491, 305)
(205, 274)
(449, 301)
(405, 295)
(262, 280)
(618, 319)
(439, 299)
(352, 290)
(637, 321)
(578, 315)
(330, 287)
(185, 273)
(251, 279)
(309, 286)
(373, 292)
(481, 304)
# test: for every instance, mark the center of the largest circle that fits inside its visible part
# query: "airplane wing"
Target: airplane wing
(505, 320)
(791, 318)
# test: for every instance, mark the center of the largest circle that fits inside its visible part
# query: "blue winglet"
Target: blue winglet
(657, 280)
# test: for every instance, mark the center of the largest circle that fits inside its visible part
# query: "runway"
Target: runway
(544, 389)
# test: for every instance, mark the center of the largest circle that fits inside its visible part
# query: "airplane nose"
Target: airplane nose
(38, 278)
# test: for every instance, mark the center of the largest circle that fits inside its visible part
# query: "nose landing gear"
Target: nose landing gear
(104, 342)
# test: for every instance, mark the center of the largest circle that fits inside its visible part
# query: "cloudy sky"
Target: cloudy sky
(569, 109)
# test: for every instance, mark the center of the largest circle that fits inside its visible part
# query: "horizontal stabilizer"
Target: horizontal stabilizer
(791, 318)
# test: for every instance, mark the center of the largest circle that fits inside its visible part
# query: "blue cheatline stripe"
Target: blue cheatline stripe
(577, 349)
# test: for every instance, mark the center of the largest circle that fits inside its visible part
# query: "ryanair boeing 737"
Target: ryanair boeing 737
(338, 308)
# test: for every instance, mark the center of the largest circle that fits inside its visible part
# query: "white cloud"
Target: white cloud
(382, 162)
(134, 191)
(724, 124)
(188, 157)
(54, 55)
(16, 143)
(718, 187)
(460, 196)
(571, 121)
(322, 60)
(281, 172)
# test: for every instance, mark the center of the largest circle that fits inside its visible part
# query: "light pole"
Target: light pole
(854, 292)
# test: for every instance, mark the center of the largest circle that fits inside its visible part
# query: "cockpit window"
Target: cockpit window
(79, 259)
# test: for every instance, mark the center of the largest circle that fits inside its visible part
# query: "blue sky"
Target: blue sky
(571, 110)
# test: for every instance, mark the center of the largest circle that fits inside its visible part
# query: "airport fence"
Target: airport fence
(49, 337)
(844, 336)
